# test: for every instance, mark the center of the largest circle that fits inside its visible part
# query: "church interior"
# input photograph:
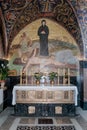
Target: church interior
(43, 64)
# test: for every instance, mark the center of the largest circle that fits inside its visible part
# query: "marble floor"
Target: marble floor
(10, 122)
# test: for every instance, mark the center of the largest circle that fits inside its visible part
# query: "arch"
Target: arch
(66, 17)
(3, 33)
(57, 34)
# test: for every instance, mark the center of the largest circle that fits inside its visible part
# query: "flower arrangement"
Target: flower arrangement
(38, 75)
(53, 75)
(3, 71)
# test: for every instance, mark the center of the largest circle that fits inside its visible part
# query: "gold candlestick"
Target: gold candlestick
(63, 75)
(20, 76)
(68, 76)
(26, 76)
(58, 76)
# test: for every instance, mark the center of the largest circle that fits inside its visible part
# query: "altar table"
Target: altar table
(44, 101)
(45, 88)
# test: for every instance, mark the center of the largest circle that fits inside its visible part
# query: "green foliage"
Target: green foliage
(3, 72)
(53, 75)
(38, 75)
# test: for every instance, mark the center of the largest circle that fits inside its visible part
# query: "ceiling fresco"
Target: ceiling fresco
(19, 13)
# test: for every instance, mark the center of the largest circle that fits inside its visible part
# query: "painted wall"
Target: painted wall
(63, 50)
(19, 14)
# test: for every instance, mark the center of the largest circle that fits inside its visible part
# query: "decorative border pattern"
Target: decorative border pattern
(18, 14)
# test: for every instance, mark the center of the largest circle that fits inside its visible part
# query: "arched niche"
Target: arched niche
(63, 50)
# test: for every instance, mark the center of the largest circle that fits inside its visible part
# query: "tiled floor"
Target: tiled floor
(10, 122)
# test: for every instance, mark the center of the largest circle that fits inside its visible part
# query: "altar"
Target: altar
(44, 100)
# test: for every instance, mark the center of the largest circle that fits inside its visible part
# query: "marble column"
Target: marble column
(83, 84)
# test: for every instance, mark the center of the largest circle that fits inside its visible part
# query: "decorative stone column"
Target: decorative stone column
(83, 84)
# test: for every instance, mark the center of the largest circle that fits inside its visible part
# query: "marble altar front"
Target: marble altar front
(39, 94)
(41, 100)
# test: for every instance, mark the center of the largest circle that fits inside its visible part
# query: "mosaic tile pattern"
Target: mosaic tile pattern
(9, 123)
(46, 128)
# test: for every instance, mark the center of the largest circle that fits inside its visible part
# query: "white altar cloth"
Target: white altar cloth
(42, 87)
(1, 96)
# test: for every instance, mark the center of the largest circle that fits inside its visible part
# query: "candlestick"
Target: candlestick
(58, 76)
(68, 76)
(63, 75)
(26, 76)
(20, 76)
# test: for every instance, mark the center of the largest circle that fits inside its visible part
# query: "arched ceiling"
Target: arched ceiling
(19, 13)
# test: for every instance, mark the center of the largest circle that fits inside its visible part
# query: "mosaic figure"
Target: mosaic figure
(43, 33)
(24, 43)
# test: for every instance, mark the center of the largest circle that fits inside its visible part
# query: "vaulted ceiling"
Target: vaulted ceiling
(19, 13)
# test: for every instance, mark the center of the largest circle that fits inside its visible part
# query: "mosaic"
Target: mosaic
(18, 14)
(46, 128)
(11, 122)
